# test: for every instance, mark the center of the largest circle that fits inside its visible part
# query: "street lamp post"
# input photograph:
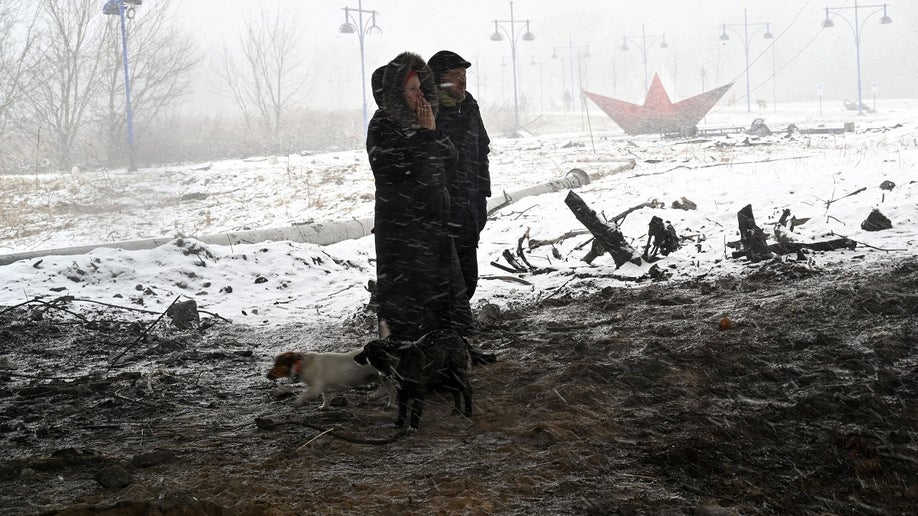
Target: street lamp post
(362, 28)
(857, 27)
(745, 35)
(541, 90)
(582, 51)
(112, 8)
(643, 43)
(513, 34)
(873, 89)
(819, 94)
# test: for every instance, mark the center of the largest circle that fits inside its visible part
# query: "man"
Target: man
(470, 186)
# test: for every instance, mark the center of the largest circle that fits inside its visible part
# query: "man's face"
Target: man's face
(453, 82)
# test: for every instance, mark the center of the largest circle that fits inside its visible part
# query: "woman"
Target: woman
(419, 282)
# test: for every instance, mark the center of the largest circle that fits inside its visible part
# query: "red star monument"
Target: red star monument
(658, 114)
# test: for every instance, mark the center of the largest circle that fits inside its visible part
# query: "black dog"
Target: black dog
(438, 361)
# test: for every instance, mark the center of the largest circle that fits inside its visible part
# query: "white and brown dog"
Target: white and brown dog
(328, 372)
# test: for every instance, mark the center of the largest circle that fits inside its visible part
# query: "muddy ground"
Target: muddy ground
(613, 401)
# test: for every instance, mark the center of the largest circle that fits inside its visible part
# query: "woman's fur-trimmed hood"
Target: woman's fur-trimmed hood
(392, 92)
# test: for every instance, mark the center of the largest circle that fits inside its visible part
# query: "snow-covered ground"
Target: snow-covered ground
(831, 179)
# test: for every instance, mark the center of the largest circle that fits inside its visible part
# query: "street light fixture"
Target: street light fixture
(357, 25)
(857, 27)
(746, 37)
(582, 51)
(513, 34)
(112, 8)
(643, 46)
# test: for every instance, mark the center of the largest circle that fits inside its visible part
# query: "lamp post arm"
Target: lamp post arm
(513, 34)
(500, 28)
(643, 42)
(739, 34)
(856, 29)
(746, 40)
(742, 36)
(844, 19)
(365, 26)
(756, 31)
(518, 33)
(870, 15)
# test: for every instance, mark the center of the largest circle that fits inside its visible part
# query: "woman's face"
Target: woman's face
(413, 92)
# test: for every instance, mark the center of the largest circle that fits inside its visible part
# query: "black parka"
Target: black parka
(471, 185)
(419, 282)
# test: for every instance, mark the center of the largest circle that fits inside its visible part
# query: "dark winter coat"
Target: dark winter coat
(419, 282)
(471, 186)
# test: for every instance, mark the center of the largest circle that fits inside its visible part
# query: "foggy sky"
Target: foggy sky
(803, 55)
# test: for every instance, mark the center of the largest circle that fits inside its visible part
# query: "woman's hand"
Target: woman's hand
(425, 115)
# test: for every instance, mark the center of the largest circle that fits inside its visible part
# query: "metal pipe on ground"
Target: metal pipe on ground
(575, 178)
(321, 233)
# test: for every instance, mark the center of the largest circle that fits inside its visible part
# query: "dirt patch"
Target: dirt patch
(617, 401)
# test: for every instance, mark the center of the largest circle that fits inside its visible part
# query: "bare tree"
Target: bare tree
(161, 59)
(272, 73)
(70, 76)
(18, 55)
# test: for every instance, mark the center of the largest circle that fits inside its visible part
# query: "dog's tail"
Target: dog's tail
(479, 357)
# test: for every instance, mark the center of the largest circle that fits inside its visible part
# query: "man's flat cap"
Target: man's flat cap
(445, 60)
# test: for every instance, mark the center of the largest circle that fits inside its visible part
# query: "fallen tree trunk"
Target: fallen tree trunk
(828, 245)
(794, 247)
(608, 237)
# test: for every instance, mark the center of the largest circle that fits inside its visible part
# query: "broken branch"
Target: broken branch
(830, 201)
(621, 216)
(607, 234)
(143, 334)
(533, 243)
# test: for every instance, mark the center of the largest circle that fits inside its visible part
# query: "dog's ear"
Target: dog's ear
(284, 364)
(299, 361)
(293, 360)
(286, 358)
